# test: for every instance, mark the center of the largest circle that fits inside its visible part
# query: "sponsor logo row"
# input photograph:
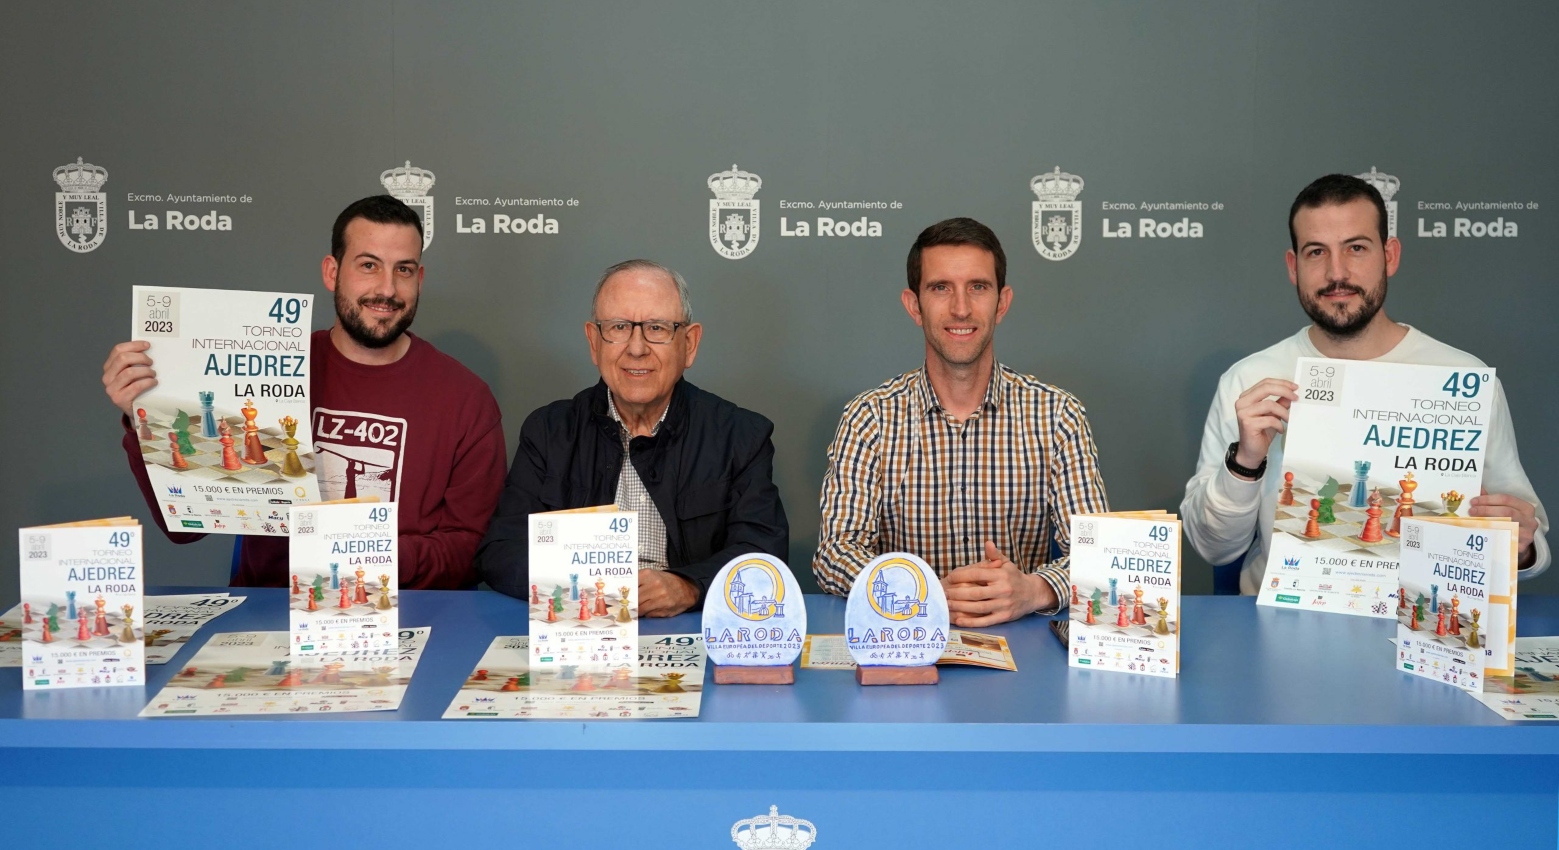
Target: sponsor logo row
(735, 220)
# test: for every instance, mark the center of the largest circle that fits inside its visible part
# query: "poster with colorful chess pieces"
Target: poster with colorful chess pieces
(253, 673)
(1456, 608)
(171, 621)
(666, 680)
(1367, 445)
(896, 614)
(968, 649)
(82, 599)
(1125, 583)
(225, 433)
(584, 572)
(1532, 691)
(754, 614)
(345, 573)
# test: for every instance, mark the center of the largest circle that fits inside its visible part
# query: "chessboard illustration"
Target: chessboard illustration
(1357, 517)
(1439, 618)
(210, 446)
(583, 606)
(577, 679)
(332, 593)
(67, 624)
(284, 675)
(1134, 613)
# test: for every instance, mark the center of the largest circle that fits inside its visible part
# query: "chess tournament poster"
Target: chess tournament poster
(344, 579)
(666, 680)
(1456, 619)
(253, 673)
(584, 571)
(225, 433)
(82, 598)
(1369, 444)
(171, 621)
(1532, 691)
(1125, 606)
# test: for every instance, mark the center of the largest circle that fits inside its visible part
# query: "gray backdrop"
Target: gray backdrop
(944, 108)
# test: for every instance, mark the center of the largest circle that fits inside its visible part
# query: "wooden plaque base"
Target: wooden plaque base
(729, 675)
(926, 675)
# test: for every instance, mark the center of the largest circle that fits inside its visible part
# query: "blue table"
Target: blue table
(1284, 729)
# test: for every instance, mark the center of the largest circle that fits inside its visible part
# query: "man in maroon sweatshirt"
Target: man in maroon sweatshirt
(374, 385)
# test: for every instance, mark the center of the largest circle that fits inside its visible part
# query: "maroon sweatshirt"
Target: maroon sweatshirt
(435, 435)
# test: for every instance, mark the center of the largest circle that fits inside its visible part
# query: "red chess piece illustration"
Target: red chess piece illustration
(26, 613)
(481, 676)
(1401, 597)
(145, 432)
(1413, 621)
(295, 589)
(585, 682)
(1074, 594)
(535, 598)
(218, 681)
(292, 679)
(1088, 610)
(1138, 618)
(1313, 527)
(600, 600)
(48, 637)
(81, 626)
(189, 673)
(512, 685)
(346, 597)
(1404, 505)
(1286, 496)
(552, 612)
(584, 607)
(178, 458)
(1120, 616)
(230, 459)
(1439, 627)
(101, 627)
(254, 450)
(313, 601)
(1372, 532)
(1456, 619)
(362, 590)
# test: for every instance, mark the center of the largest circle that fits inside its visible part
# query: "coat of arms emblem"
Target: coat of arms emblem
(1058, 215)
(733, 214)
(410, 186)
(80, 209)
(1387, 186)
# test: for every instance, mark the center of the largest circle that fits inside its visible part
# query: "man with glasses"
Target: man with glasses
(697, 468)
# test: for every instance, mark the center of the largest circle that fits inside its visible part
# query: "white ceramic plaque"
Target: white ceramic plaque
(897, 613)
(754, 615)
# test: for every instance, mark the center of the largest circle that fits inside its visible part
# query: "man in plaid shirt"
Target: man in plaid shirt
(964, 462)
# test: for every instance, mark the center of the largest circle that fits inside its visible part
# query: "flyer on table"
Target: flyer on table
(1532, 692)
(969, 649)
(665, 680)
(345, 578)
(1367, 445)
(225, 433)
(252, 673)
(82, 592)
(1125, 608)
(584, 570)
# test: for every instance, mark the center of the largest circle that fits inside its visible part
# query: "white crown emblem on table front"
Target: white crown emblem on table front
(773, 831)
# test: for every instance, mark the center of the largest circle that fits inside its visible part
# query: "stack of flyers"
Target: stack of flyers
(345, 572)
(1456, 600)
(1125, 605)
(584, 569)
(666, 680)
(1532, 693)
(82, 592)
(172, 620)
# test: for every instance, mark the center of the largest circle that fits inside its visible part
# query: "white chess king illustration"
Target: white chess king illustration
(80, 206)
(1387, 186)
(773, 831)
(411, 185)
(733, 214)
(1058, 215)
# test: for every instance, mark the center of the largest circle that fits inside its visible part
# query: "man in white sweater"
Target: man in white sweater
(1340, 261)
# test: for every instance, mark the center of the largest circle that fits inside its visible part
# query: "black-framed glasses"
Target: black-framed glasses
(618, 331)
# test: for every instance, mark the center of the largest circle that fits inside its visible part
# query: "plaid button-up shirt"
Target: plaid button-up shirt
(631, 495)
(905, 476)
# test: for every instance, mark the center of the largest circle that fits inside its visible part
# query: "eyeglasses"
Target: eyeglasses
(617, 331)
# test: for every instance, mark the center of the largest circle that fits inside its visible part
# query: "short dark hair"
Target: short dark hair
(379, 209)
(956, 231)
(1331, 190)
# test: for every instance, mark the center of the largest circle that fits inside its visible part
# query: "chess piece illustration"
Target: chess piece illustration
(278, 667)
(230, 459)
(1096, 602)
(384, 593)
(1088, 614)
(145, 431)
(585, 682)
(181, 427)
(295, 589)
(1472, 630)
(672, 684)
(1404, 505)
(48, 635)
(584, 609)
(573, 586)
(1452, 500)
(552, 613)
(1074, 594)
(513, 684)
(622, 679)
(208, 415)
(313, 599)
(600, 600)
(1401, 598)
(189, 673)
(127, 634)
(81, 626)
(1361, 479)
(623, 615)
(54, 618)
(346, 598)
(480, 675)
(101, 627)
(1162, 627)
(1121, 619)
(1434, 598)
(1286, 495)
(535, 596)
(1113, 599)
(292, 679)
(1413, 621)
(178, 461)
(254, 450)
(27, 613)
(155, 635)
(1439, 626)
(1313, 527)
(361, 597)
(318, 590)
(291, 467)
(1372, 531)
(70, 604)
(1456, 620)
(218, 681)
(335, 576)
(568, 671)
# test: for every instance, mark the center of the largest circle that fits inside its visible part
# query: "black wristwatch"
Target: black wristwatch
(1243, 472)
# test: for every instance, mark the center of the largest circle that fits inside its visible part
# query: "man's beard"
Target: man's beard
(1346, 325)
(372, 335)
